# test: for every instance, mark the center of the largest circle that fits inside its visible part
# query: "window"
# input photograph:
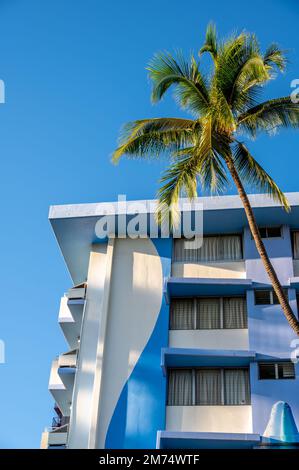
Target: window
(267, 297)
(276, 370)
(180, 387)
(214, 248)
(270, 232)
(206, 313)
(208, 387)
(295, 238)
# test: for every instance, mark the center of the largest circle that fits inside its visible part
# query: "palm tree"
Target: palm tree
(224, 104)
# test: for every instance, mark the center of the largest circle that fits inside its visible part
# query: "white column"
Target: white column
(81, 413)
(96, 394)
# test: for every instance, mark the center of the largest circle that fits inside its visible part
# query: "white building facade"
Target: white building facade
(170, 347)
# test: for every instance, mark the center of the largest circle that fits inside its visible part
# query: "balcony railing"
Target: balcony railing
(60, 422)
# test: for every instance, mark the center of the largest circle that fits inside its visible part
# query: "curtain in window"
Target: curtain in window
(208, 314)
(182, 314)
(296, 244)
(208, 387)
(180, 387)
(231, 247)
(236, 387)
(183, 253)
(210, 249)
(214, 248)
(234, 312)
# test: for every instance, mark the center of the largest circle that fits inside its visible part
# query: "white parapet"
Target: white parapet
(215, 269)
(210, 339)
(228, 419)
(53, 438)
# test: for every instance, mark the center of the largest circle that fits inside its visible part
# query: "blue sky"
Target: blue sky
(74, 72)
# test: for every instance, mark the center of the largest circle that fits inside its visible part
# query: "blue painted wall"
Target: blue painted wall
(141, 408)
(269, 332)
(280, 251)
(264, 393)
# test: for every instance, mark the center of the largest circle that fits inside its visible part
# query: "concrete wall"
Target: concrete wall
(209, 339)
(217, 269)
(209, 419)
(82, 405)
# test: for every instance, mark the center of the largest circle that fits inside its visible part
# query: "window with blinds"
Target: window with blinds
(206, 313)
(214, 248)
(276, 370)
(295, 238)
(187, 387)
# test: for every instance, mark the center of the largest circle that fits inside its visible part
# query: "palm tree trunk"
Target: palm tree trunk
(290, 316)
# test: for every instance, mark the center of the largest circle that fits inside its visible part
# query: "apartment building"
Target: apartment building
(171, 347)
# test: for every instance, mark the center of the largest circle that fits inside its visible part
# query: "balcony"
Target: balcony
(61, 381)
(54, 438)
(209, 323)
(77, 292)
(59, 422)
(220, 256)
(68, 359)
(70, 319)
(209, 399)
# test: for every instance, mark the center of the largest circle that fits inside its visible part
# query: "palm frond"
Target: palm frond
(180, 176)
(198, 162)
(252, 174)
(241, 67)
(210, 44)
(211, 171)
(270, 115)
(151, 137)
(190, 87)
(275, 57)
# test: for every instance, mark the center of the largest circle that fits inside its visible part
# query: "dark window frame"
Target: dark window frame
(272, 296)
(276, 370)
(265, 231)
